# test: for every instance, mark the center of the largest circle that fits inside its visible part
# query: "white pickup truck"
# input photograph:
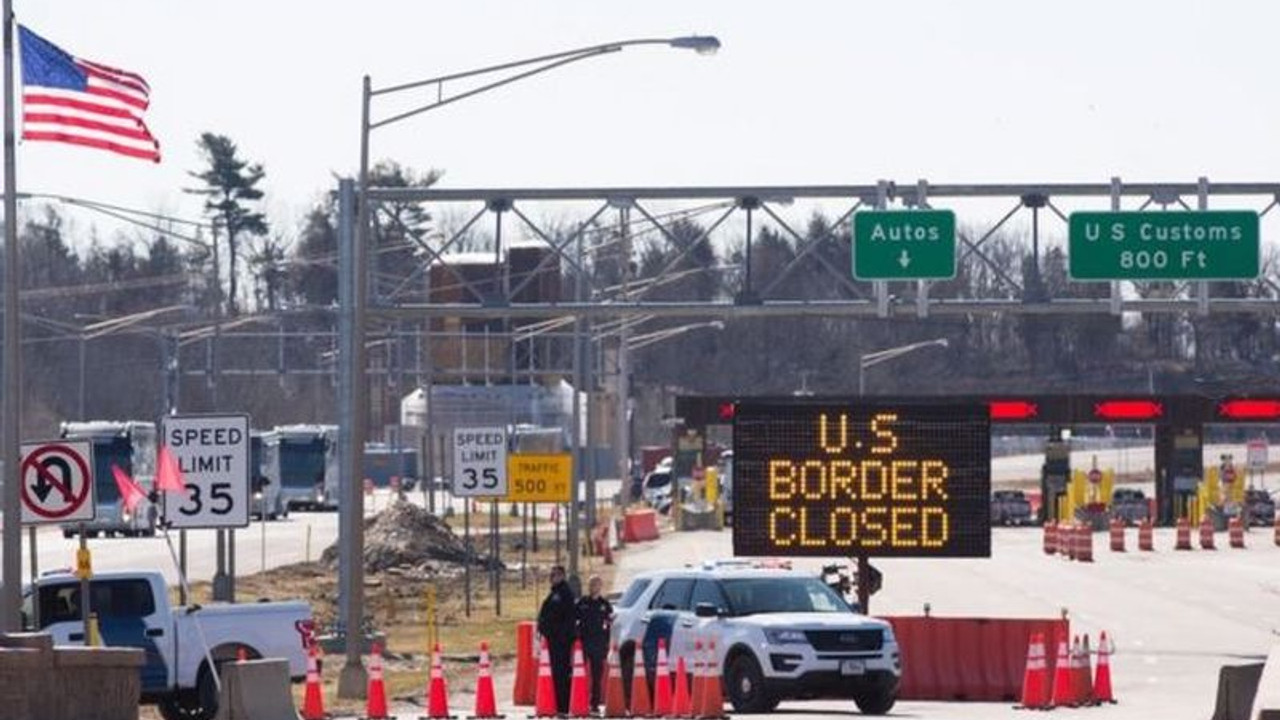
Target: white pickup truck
(134, 611)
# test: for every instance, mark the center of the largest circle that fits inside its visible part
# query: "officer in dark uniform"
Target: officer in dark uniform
(595, 615)
(557, 622)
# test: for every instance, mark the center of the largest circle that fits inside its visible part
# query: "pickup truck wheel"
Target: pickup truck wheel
(744, 683)
(185, 705)
(206, 693)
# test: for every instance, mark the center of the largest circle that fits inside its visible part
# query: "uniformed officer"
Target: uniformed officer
(557, 622)
(595, 616)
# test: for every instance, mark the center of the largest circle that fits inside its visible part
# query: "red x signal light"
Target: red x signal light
(727, 411)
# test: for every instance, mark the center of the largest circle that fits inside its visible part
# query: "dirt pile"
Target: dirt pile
(406, 539)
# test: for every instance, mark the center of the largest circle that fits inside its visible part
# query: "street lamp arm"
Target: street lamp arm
(875, 358)
(636, 342)
(486, 88)
(113, 325)
(544, 63)
(701, 44)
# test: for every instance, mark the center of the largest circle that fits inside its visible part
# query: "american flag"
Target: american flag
(71, 100)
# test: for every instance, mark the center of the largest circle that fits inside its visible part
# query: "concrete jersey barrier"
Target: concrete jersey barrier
(256, 690)
(41, 682)
(1237, 686)
(1266, 703)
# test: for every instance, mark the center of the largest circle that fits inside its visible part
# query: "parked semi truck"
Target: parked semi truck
(130, 445)
(266, 499)
(302, 461)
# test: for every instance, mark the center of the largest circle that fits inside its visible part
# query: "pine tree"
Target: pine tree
(230, 185)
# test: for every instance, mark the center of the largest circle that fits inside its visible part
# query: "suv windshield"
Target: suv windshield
(657, 480)
(749, 596)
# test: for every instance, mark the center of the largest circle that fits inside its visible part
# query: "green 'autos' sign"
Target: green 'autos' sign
(904, 245)
(1204, 245)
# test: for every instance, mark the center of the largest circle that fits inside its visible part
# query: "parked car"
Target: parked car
(778, 634)
(1130, 505)
(133, 611)
(1259, 507)
(657, 489)
(1010, 507)
(725, 473)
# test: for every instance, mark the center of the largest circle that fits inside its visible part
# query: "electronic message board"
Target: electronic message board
(849, 477)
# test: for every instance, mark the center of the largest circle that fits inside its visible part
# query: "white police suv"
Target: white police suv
(779, 635)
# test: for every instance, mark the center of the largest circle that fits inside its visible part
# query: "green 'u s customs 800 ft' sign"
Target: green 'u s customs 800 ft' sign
(1205, 245)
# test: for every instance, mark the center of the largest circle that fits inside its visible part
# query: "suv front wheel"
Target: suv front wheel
(745, 686)
(876, 699)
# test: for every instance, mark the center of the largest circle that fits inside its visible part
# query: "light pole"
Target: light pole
(870, 360)
(351, 581)
(638, 341)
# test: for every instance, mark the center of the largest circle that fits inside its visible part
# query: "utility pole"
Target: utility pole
(11, 556)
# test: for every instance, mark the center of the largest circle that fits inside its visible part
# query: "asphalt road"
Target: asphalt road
(1175, 617)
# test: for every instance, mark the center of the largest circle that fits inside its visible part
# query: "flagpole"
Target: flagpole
(11, 562)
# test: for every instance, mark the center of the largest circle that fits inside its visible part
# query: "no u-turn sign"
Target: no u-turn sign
(57, 482)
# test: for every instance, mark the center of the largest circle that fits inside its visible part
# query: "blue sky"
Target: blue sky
(801, 93)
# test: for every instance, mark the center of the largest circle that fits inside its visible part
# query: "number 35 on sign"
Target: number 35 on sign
(480, 462)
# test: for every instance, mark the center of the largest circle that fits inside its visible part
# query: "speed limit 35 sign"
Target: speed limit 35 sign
(480, 462)
(212, 451)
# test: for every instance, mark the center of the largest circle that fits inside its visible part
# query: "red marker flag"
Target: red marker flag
(129, 490)
(168, 474)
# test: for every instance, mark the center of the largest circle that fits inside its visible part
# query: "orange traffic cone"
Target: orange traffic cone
(1077, 685)
(1087, 659)
(699, 694)
(712, 695)
(486, 700)
(681, 704)
(640, 706)
(1086, 673)
(1102, 692)
(579, 693)
(376, 706)
(544, 699)
(615, 695)
(313, 701)
(662, 683)
(1062, 695)
(437, 689)
(1033, 678)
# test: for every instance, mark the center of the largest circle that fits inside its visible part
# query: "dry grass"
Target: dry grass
(397, 605)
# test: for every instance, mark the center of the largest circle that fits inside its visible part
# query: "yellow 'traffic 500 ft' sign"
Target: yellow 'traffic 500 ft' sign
(539, 478)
